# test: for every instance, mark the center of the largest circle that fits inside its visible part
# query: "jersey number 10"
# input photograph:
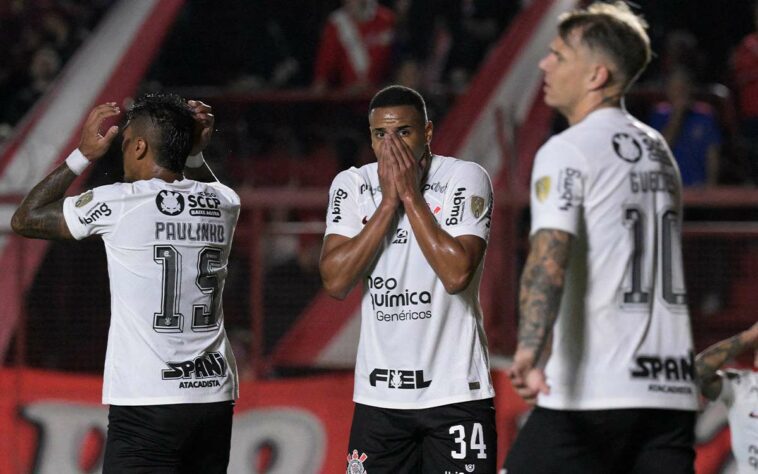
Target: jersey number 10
(670, 257)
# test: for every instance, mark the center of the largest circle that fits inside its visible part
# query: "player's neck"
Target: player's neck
(166, 174)
(590, 104)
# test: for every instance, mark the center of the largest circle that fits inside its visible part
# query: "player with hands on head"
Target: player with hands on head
(413, 229)
(737, 389)
(604, 342)
(170, 376)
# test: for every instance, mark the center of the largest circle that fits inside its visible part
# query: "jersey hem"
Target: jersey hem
(617, 403)
(168, 400)
(427, 404)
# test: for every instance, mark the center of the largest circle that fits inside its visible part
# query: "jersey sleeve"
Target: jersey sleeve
(728, 379)
(95, 212)
(467, 209)
(558, 182)
(342, 215)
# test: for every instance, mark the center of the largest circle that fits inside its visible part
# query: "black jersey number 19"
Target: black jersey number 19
(170, 319)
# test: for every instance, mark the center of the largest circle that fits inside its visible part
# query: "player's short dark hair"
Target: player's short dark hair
(392, 96)
(614, 30)
(169, 124)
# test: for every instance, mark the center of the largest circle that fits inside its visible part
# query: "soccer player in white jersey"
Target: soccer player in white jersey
(602, 298)
(170, 376)
(412, 228)
(738, 390)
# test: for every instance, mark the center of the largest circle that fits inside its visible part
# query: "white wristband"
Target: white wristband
(195, 161)
(77, 162)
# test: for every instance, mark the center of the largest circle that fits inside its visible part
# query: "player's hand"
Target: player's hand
(528, 381)
(204, 121)
(93, 144)
(751, 336)
(387, 177)
(406, 168)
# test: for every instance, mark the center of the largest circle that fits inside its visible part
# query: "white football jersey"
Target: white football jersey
(739, 392)
(623, 336)
(419, 346)
(167, 246)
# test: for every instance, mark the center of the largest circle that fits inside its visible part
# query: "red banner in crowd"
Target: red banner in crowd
(52, 422)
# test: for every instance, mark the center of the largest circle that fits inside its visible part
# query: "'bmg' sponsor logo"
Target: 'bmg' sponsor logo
(402, 379)
(566, 185)
(457, 213)
(96, 213)
(339, 195)
(208, 365)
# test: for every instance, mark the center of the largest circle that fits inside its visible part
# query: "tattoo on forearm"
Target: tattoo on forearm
(38, 215)
(542, 288)
(711, 359)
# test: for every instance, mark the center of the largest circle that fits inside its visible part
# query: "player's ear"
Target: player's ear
(428, 132)
(600, 77)
(140, 147)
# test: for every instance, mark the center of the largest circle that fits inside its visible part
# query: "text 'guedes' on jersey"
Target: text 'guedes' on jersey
(623, 336)
(419, 346)
(167, 246)
(739, 392)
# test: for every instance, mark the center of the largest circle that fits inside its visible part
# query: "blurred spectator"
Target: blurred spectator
(691, 130)
(474, 26)
(680, 51)
(43, 69)
(745, 76)
(40, 37)
(356, 47)
(289, 287)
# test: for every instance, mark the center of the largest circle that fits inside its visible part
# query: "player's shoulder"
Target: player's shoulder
(223, 190)
(458, 168)
(108, 192)
(735, 376)
(357, 176)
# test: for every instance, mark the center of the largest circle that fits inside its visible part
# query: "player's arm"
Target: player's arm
(453, 259)
(344, 260)
(708, 362)
(542, 283)
(195, 167)
(40, 214)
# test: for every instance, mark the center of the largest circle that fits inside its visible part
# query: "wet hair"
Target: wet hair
(613, 30)
(168, 124)
(392, 96)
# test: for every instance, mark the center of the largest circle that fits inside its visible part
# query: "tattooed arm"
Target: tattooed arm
(710, 360)
(539, 301)
(40, 214)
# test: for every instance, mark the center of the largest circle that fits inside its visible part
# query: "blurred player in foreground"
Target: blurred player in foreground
(170, 377)
(738, 390)
(602, 296)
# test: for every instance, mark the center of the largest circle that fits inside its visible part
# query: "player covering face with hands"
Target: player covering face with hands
(413, 228)
(170, 376)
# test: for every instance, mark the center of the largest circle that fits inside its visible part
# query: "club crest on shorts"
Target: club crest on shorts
(355, 463)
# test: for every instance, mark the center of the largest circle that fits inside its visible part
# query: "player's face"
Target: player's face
(405, 122)
(566, 67)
